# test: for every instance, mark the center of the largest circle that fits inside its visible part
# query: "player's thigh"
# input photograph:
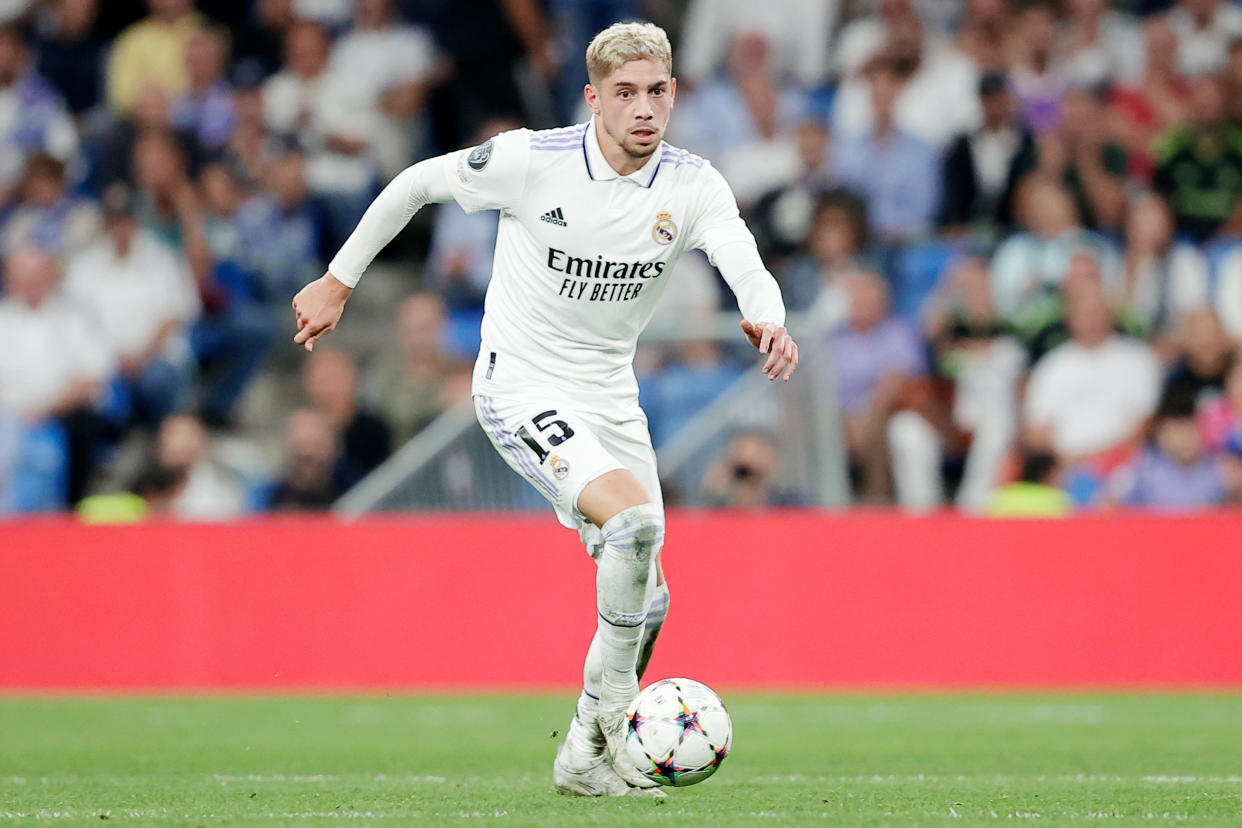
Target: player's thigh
(550, 445)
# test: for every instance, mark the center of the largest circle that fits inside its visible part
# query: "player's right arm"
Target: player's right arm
(489, 176)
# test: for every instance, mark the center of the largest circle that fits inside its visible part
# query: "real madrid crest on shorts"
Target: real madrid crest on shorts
(559, 466)
(664, 230)
(479, 156)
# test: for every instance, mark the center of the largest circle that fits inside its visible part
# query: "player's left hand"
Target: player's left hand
(776, 342)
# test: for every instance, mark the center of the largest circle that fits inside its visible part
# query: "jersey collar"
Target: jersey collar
(599, 169)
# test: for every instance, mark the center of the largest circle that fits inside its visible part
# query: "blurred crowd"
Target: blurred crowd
(1012, 229)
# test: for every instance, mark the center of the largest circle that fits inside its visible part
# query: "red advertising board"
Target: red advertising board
(779, 599)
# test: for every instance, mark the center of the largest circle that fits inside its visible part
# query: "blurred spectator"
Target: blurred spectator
(935, 96)
(385, 65)
(863, 39)
(70, 52)
(1200, 165)
(1090, 163)
(896, 174)
(985, 28)
(141, 298)
(281, 228)
(1204, 29)
(978, 366)
(1162, 280)
(1157, 101)
(697, 374)
(502, 59)
(330, 381)
(1101, 44)
(1228, 299)
(152, 51)
(209, 492)
(415, 380)
(459, 263)
(259, 42)
(1088, 399)
(875, 361)
(1220, 417)
(52, 365)
(246, 153)
(1039, 81)
(33, 118)
(745, 476)
(1205, 361)
(47, 215)
(205, 110)
(1030, 262)
(798, 30)
(152, 494)
(1172, 471)
(305, 100)
(835, 248)
(982, 168)
(781, 219)
(312, 474)
(1034, 495)
(753, 144)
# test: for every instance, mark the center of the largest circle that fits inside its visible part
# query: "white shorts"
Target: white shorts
(559, 449)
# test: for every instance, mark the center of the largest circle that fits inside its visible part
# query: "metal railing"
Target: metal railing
(451, 465)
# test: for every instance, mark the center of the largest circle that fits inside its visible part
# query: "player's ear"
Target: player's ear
(672, 89)
(592, 98)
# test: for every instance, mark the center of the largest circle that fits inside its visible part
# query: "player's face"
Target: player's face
(633, 105)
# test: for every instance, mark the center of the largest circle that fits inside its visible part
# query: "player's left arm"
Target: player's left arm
(720, 232)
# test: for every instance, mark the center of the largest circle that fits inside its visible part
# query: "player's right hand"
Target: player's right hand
(318, 308)
(775, 341)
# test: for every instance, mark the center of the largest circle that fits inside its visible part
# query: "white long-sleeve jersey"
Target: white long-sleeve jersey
(583, 253)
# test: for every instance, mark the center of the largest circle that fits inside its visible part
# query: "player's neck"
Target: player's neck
(621, 161)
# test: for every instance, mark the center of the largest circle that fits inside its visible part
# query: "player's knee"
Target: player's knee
(636, 534)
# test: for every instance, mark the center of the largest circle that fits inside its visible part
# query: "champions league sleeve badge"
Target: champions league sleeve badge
(479, 156)
(664, 230)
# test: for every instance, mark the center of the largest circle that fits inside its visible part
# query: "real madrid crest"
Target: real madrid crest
(664, 230)
(559, 466)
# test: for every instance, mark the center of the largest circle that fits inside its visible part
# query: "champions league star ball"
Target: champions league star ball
(678, 732)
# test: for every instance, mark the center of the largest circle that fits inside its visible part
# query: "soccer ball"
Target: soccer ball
(678, 732)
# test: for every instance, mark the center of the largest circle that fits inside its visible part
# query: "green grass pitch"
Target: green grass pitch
(854, 760)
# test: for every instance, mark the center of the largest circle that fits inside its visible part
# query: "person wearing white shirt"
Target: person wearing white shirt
(51, 364)
(386, 66)
(336, 126)
(141, 297)
(799, 31)
(1204, 29)
(1094, 393)
(593, 218)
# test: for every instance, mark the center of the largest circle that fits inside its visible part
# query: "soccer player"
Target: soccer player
(593, 218)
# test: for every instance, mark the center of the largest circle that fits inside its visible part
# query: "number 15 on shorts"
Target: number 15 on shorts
(554, 431)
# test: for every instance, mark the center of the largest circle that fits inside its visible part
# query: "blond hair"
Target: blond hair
(622, 42)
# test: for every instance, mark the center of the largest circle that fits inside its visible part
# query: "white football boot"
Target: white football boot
(597, 780)
(612, 723)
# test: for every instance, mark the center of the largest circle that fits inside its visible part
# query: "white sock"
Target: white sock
(584, 740)
(631, 540)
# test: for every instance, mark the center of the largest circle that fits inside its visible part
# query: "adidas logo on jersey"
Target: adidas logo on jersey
(555, 217)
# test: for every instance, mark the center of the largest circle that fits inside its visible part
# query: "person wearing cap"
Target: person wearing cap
(982, 167)
(142, 297)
